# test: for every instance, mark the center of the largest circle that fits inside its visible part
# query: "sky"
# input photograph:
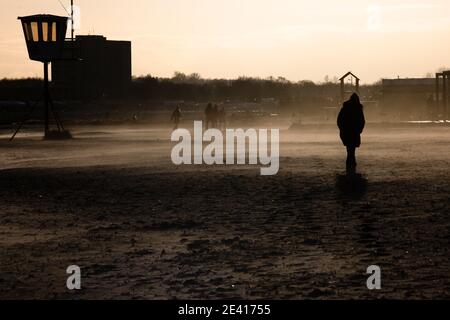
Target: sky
(294, 39)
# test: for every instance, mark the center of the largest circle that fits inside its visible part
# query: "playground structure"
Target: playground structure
(352, 77)
(442, 93)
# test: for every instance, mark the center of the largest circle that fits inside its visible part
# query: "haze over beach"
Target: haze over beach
(295, 39)
(141, 227)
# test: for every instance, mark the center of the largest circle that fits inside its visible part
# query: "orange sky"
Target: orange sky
(295, 39)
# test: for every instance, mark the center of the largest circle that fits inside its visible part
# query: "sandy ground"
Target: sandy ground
(139, 227)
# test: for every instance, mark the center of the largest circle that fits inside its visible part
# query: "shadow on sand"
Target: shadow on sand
(351, 185)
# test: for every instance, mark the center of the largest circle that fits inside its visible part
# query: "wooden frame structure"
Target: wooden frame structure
(342, 79)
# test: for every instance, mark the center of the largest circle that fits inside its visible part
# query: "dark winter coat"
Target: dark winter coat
(351, 122)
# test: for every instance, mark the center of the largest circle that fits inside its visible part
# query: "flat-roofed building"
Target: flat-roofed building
(93, 67)
(408, 98)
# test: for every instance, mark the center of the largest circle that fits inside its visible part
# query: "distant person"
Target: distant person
(297, 118)
(209, 115)
(351, 123)
(176, 117)
(222, 117)
(431, 107)
(215, 116)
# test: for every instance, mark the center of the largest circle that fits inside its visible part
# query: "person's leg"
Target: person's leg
(354, 157)
(348, 158)
(351, 157)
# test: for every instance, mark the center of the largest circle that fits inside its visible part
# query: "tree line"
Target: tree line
(193, 87)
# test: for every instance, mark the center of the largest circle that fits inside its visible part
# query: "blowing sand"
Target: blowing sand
(140, 227)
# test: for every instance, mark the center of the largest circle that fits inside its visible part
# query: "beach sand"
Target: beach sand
(111, 202)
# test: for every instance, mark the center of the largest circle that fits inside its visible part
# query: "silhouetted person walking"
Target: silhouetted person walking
(222, 118)
(209, 115)
(176, 116)
(215, 116)
(431, 107)
(351, 123)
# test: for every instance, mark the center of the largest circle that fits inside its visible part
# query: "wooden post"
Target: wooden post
(437, 95)
(72, 22)
(445, 95)
(46, 99)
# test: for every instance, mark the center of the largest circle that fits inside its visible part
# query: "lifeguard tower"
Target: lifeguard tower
(44, 36)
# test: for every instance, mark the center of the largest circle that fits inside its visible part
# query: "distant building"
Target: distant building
(93, 67)
(408, 98)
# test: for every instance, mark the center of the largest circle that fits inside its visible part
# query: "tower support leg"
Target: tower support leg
(46, 101)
